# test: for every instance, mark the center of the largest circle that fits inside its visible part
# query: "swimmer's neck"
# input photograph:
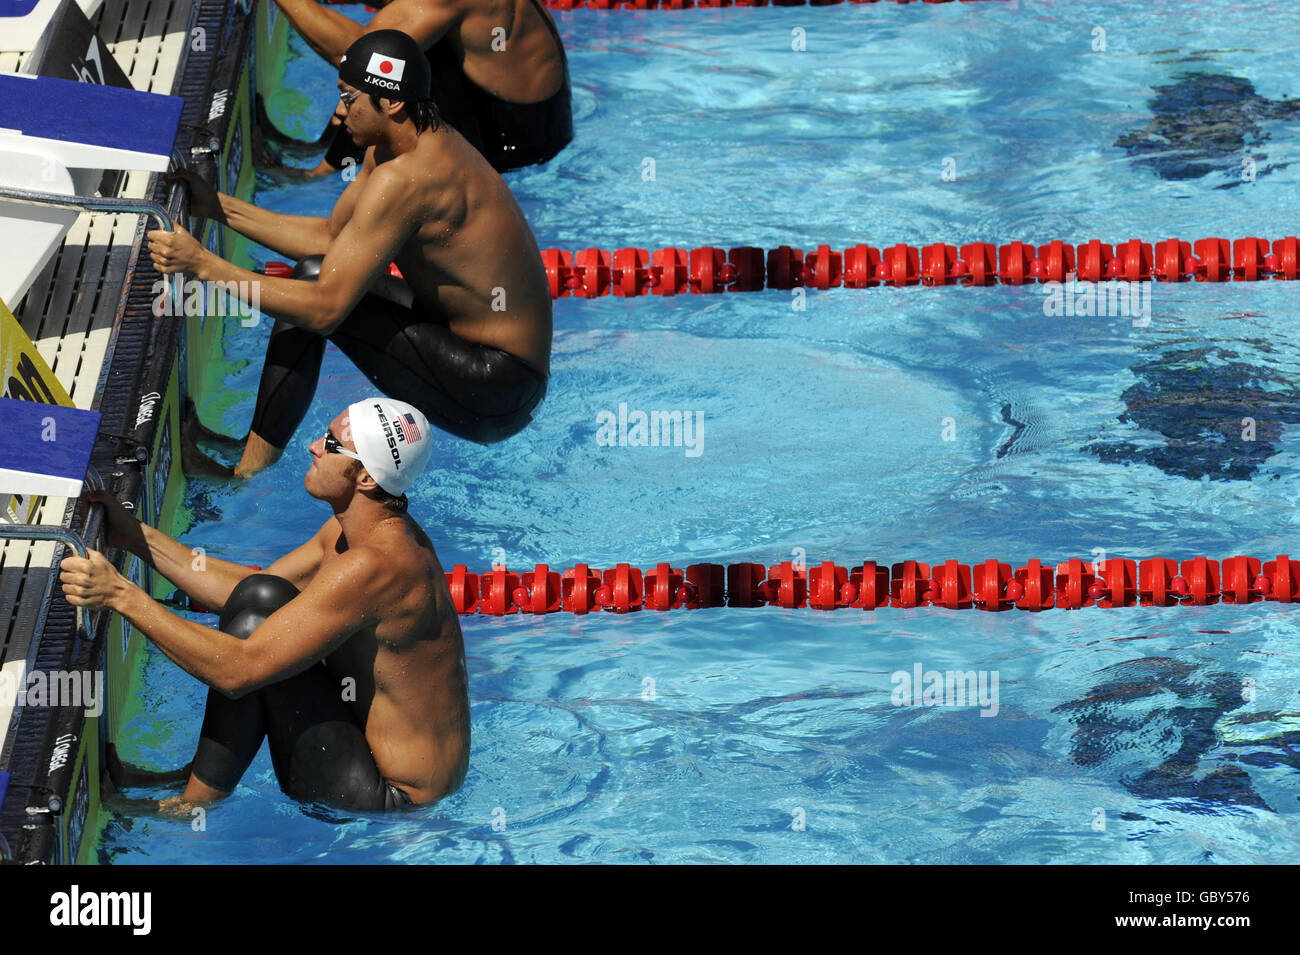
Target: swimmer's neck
(361, 517)
(399, 138)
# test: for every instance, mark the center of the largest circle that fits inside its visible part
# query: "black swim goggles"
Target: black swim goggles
(332, 446)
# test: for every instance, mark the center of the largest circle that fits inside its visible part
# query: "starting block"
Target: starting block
(45, 449)
(50, 131)
(24, 375)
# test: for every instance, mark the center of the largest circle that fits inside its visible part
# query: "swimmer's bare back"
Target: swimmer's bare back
(508, 47)
(471, 259)
(420, 739)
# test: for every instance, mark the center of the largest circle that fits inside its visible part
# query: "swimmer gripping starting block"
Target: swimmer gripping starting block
(57, 137)
(45, 449)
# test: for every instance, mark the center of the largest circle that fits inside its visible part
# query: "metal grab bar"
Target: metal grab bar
(71, 539)
(46, 532)
(99, 204)
(93, 204)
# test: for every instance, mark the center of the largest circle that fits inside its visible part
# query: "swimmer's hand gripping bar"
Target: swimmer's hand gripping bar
(68, 537)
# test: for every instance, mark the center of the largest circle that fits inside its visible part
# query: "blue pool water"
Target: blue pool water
(767, 735)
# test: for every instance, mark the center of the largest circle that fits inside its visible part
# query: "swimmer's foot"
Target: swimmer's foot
(197, 464)
(258, 454)
(126, 776)
(179, 808)
(112, 799)
(201, 432)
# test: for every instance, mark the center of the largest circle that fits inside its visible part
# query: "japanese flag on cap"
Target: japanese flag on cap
(388, 67)
(393, 439)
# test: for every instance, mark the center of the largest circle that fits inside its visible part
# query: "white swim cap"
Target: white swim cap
(393, 439)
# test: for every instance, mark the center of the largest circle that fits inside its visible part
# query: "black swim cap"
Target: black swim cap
(387, 63)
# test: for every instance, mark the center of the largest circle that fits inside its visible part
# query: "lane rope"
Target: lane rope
(591, 272)
(991, 585)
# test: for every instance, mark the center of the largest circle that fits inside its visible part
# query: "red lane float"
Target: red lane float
(910, 584)
(710, 270)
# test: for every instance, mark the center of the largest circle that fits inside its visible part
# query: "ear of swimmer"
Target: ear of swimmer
(254, 599)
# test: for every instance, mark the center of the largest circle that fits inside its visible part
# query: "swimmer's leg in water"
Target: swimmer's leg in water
(318, 749)
(289, 377)
(284, 394)
(288, 384)
(473, 391)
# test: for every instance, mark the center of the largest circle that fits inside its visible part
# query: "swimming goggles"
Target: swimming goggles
(332, 446)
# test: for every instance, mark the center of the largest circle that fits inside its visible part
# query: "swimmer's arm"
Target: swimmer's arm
(295, 237)
(298, 635)
(206, 579)
(425, 21)
(379, 225)
(299, 566)
(326, 31)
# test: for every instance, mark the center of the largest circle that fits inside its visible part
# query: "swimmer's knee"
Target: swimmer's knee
(307, 269)
(254, 599)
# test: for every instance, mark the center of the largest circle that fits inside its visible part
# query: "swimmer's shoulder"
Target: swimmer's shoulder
(399, 568)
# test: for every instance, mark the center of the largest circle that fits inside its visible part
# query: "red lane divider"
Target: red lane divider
(992, 585)
(590, 273)
(709, 270)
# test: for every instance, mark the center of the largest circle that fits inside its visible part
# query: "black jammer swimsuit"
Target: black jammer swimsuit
(509, 135)
(318, 748)
(476, 392)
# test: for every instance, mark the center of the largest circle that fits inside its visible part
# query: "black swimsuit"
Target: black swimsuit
(473, 391)
(509, 135)
(318, 748)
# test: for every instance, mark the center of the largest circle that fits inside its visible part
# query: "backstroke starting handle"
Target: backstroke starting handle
(100, 204)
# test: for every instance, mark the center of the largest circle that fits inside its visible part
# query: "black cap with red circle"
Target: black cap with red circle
(387, 63)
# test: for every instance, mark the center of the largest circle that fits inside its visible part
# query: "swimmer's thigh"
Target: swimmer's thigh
(319, 752)
(477, 393)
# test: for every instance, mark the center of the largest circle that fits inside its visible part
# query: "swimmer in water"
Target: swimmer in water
(468, 343)
(500, 76)
(383, 721)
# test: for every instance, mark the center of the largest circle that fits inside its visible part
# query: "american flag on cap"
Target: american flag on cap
(410, 430)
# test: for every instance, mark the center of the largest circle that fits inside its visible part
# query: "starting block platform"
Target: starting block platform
(57, 138)
(45, 449)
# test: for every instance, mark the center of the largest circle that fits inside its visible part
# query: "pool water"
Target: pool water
(884, 424)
